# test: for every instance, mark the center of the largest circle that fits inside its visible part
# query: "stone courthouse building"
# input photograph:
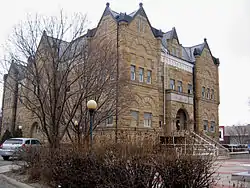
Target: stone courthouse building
(177, 87)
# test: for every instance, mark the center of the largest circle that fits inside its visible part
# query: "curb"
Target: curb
(15, 182)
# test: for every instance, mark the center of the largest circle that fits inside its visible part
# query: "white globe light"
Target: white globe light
(92, 105)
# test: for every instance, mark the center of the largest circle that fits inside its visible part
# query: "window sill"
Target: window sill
(109, 125)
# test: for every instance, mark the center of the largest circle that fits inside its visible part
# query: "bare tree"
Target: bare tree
(239, 134)
(57, 69)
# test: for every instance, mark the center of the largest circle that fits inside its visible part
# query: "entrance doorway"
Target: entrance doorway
(181, 120)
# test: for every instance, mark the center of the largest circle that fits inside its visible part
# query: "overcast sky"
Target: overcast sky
(225, 24)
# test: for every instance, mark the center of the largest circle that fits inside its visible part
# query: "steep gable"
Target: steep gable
(141, 13)
(124, 17)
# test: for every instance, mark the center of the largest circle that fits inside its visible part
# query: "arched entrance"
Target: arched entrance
(35, 131)
(181, 120)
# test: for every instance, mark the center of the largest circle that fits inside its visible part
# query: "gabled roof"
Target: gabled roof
(18, 70)
(188, 53)
(124, 17)
(172, 34)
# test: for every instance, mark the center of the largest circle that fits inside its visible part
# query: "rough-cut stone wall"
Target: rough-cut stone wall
(8, 101)
(142, 50)
(207, 76)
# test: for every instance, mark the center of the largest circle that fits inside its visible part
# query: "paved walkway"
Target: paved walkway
(226, 168)
(5, 184)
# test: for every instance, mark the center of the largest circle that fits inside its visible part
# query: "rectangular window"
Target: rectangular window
(203, 92)
(172, 84)
(205, 125)
(149, 77)
(179, 87)
(140, 25)
(190, 89)
(173, 51)
(105, 26)
(212, 94)
(177, 52)
(141, 73)
(132, 72)
(112, 77)
(208, 93)
(35, 89)
(161, 121)
(134, 118)
(109, 120)
(68, 86)
(212, 126)
(147, 119)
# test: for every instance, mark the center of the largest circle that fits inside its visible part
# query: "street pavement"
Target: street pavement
(5, 184)
(226, 168)
(6, 166)
(3, 163)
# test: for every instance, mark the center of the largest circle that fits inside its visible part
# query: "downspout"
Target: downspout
(194, 96)
(117, 78)
(164, 95)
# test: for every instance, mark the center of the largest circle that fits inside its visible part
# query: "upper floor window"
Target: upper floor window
(174, 51)
(172, 84)
(212, 94)
(179, 86)
(68, 86)
(132, 70)
(208, 93)
(109, 120)
(141, 73)
(205, 125)
(147, 119)
(203, 92)
(35, 89)
(134, 118)
(105, 26)
(177, 52)
(212, 126)
(190, 89)
(140, 25)
(149, 76)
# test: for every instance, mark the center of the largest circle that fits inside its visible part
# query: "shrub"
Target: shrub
(119, 166)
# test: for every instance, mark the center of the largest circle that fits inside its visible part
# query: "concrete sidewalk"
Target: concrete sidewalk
(6, 182)
(8, 168)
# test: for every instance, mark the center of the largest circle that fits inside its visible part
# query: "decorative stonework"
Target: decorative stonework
(175, 62)
(180, 98)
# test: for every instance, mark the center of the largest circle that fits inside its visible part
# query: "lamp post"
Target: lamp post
(91, 105)
(77, 132)
(19, 131)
